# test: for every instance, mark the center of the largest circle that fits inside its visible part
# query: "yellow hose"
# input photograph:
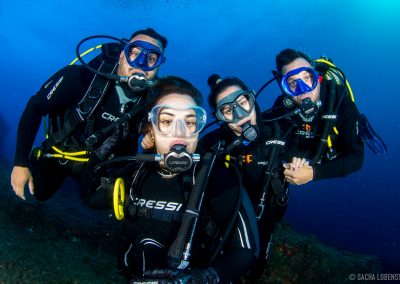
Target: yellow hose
(119, 199)
(85, 52)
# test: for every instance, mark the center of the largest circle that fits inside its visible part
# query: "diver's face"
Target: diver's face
(251, 118)
(124, 69)
(297, 63)
(181, 113)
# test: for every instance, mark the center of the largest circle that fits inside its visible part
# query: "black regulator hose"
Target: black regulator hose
(86, 65)
(179, 251)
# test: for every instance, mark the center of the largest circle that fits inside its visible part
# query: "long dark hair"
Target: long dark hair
(173, 84)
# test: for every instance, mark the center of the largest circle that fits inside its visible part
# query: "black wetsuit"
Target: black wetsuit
(253, 160)
(156, 206)
(348, 147)
(57, 98)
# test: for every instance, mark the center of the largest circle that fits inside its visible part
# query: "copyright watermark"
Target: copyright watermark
(375, 276)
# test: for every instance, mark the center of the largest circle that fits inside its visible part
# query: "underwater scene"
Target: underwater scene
(334, 230)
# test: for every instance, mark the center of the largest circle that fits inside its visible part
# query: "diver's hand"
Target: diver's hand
(298, 176)
(147, 141)
(21, 176)
(296, 163)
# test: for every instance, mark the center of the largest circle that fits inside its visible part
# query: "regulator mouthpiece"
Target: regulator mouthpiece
(137, 82)
(178, 159)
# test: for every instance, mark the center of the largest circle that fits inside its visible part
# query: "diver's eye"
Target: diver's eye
(243, 102)
(292, 84)
(226, 109)
(152, 59)
(191, 125)
(165, 122)
(134, 53)
(307, 78)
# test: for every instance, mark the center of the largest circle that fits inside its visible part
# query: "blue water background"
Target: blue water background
(241, 38)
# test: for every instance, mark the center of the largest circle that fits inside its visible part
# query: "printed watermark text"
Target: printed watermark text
(375, 276)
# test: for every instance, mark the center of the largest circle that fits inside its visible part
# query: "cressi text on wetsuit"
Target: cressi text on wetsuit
(155, 210)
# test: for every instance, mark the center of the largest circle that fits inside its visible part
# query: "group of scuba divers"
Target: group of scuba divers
(200, 211)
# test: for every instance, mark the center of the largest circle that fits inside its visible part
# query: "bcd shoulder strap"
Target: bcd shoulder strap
(85, 108)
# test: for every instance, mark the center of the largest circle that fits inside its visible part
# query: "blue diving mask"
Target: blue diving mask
(299, 81)
(235, 106)
(143, 55)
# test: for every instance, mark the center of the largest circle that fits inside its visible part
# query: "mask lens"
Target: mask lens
(245, 101)
(227, 111)
(134, 52)
(152, 58)
(178, 122)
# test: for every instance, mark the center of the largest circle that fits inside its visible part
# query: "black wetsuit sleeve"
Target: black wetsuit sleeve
(60, 91)
(348, 144)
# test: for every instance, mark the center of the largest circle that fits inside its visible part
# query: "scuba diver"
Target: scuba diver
(328, 141)
(257, 148)
(81, 102)
(188, 221)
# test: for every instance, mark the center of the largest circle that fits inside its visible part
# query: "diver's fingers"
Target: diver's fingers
(289, 166)
(18, 190)
(31, 186)
(296, 162)
(147, 141)
(19, 178)
(288, 173)
(302, 162)
(290, 180)
(306, 163)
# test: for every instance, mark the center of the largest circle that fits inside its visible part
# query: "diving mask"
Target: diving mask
(235, 106)
(299, 81)
(178, 122)
(143, 55)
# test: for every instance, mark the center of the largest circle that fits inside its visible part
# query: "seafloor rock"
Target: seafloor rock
(61, 241)
(297, 258)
